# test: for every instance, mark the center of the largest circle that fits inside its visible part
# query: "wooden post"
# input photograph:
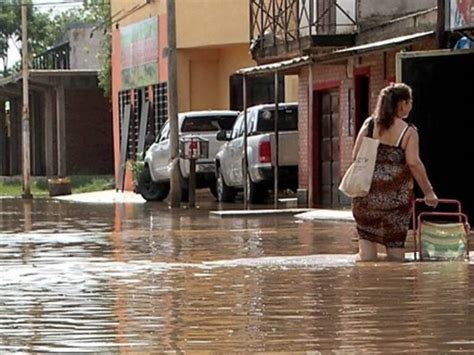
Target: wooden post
(192, 182)
(440, 25)
(61, 129)
(310, 194)
(3, 139)
(48, 132)
(25, 126)
(175, 193)
(277, 146)
(245, 173)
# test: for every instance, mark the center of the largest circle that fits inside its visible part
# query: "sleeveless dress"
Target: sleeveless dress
(383, 215)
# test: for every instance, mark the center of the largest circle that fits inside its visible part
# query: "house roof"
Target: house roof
(45, 73)
(373, 46)
(278, 66)
(9, 86)
(298, 62)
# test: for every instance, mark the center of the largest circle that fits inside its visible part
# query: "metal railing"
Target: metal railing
(286, 22)
(54, 58)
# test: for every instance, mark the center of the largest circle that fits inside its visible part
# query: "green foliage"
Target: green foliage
(136, 167)
(39, 187)
(46, 28)
(102, 10)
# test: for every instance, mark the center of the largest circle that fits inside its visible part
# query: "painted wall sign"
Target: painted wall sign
(139, 54)
(461, 14)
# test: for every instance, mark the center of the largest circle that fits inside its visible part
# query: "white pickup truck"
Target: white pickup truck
(260, 151)
(154, 181)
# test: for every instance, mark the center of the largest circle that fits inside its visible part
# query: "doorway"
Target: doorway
(327, 149)
(362, 96)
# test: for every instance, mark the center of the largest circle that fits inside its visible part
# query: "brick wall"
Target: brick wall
(89, 128)
(382, 71)
(303, 127)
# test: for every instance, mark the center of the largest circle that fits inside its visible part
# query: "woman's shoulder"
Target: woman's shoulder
(411, 128)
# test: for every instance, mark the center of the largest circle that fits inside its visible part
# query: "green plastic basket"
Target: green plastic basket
(443, 241)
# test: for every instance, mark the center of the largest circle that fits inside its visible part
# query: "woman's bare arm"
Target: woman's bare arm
(362, 133)
(417, 168)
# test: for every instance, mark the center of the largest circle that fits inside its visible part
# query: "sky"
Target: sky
(42, 5)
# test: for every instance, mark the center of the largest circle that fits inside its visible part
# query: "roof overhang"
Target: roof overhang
(40, 79)
(40, 73)
(373, 46)
(290, 66)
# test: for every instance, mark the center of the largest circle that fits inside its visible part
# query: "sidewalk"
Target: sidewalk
(108, 196)
(327, 215)
(112, 196)
(301, 213)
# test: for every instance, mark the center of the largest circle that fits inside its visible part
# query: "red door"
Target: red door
(328, 158)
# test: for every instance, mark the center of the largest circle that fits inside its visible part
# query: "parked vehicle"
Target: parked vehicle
(260, 145)
(154, 181)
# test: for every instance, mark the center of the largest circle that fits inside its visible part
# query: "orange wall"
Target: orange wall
(201, 23)
(203, 75)
(210, 49)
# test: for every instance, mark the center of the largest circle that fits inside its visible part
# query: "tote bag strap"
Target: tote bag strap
(370, 132)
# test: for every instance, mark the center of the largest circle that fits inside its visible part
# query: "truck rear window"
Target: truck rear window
(208, 123)
(287, 120)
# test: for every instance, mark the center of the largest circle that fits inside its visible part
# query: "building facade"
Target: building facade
(70, 119)
(349, 51)
(211, 45)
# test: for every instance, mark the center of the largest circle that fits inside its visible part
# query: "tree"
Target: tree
(9, 20)
(45, 28)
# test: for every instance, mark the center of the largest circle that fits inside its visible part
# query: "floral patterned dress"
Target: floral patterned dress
(383, 215)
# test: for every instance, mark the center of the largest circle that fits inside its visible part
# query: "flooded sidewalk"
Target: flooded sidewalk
(141, 278)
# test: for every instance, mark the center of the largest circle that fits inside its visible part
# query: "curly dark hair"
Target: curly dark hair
(387, 103)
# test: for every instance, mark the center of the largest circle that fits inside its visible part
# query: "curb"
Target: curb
(257, 213)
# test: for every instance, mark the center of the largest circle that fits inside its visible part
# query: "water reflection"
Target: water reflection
(142, 278)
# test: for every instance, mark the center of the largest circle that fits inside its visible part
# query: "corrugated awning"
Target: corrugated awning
(373, 46)
(284, 65)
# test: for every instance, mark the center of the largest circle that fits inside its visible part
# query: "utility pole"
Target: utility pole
(245, 172)
(25, 119)
(441, 24)
(175, 195)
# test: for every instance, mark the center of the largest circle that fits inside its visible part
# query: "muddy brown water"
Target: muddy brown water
(139, 278)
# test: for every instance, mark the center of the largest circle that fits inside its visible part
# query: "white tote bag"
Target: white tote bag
(357, 180)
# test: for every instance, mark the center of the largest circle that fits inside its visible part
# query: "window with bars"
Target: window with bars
(160, 107)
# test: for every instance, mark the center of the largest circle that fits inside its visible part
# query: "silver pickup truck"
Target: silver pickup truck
(260, 150)
(154, 181)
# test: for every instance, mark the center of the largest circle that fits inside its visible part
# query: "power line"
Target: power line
(59, 3)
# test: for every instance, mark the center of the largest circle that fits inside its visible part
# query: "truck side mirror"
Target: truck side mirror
(149, 139)
(222, 135)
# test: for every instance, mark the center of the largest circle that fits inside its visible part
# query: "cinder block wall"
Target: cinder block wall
(89, 118)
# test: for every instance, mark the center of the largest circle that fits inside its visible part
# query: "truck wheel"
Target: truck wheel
(257, 192)
(184, 194)
(213, 189)
(224, 192)
(150, 190)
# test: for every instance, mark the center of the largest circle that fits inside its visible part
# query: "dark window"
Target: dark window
(207, 123)
(287, 120)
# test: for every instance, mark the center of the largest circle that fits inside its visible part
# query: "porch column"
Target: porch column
(16, 148)
(61, 128)
(3, 135)
(48, 132)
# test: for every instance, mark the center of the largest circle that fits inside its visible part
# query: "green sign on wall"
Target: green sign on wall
(139, 49)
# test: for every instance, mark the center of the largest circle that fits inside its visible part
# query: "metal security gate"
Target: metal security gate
(329, 156)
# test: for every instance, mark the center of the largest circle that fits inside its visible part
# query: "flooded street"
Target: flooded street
(137, 278)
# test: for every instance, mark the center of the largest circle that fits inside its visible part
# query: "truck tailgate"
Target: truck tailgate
(288, 148)
(214, 144)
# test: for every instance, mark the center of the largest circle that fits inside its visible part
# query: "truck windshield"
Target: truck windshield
(287, 120)
(208, 123)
